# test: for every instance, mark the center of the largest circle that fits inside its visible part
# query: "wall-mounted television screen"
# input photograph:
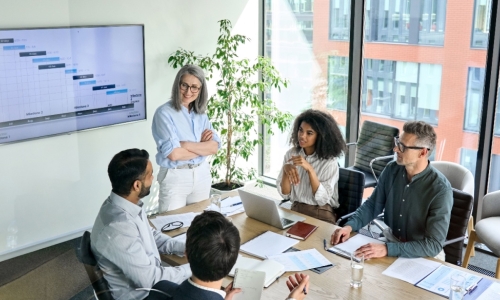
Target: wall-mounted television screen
(60, 80)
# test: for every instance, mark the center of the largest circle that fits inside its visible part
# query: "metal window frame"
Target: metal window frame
(486, 134)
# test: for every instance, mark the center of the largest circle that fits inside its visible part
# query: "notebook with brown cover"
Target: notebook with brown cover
(301, 230)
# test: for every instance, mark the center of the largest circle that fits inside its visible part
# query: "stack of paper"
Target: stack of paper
(267, 244)
(229, 206)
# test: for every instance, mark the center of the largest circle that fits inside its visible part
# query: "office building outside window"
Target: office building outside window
(392, 21)
(409, 72)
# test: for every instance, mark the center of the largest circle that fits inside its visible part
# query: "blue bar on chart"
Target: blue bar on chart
(51, 66)
(6, 41)
(116, 92)
(15, 47)
(103, 87)
(87, 82)
(70, 71)
(45, 59)
(78, 77)
(33, 53)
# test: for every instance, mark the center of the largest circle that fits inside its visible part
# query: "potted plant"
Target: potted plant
(237, 106)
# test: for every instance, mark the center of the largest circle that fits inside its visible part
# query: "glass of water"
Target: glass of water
(357, 266)
(216, 202)
(457, 288)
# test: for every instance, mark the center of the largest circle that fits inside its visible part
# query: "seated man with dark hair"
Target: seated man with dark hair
(212, 245)
(126, 247)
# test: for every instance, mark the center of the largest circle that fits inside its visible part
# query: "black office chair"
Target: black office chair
(86, 257)
(351, 186)
(460, 214)
(374, 150)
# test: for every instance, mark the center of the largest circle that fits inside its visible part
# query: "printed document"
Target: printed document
(301, 260)
(411, 270)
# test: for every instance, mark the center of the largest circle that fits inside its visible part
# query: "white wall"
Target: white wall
(51, 189)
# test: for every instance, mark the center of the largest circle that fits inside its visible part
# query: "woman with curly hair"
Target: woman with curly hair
(310, 171)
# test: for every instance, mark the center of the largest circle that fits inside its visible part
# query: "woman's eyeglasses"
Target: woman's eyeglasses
(172, 226)
(194, 89)
(402, 147)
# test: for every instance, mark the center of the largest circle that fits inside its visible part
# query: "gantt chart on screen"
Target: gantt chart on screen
(61, 80)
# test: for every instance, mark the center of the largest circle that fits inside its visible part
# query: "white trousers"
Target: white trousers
(181, 187)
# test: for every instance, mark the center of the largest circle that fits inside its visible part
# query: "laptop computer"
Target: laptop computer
(264, 209)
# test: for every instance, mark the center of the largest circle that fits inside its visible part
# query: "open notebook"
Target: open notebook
(250, 282)
(271, 268)
(352, 244)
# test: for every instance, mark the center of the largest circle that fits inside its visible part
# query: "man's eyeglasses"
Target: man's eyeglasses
(402, 147)
(172, 226)
(194, 89)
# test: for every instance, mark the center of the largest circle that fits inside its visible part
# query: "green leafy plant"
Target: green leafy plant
(237, 106)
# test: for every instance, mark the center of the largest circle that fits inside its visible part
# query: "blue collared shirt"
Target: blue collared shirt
(170, 127)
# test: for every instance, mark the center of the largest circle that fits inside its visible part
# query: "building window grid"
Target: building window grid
(481, 24)
(393, 21)
(384, 94)
(474, 102)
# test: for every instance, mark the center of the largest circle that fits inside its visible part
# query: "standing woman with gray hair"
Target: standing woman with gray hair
(184, 138)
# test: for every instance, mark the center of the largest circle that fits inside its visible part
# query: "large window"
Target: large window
(403, 77)
(481, 24)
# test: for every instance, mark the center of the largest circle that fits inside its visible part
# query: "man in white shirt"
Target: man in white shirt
(126, 247)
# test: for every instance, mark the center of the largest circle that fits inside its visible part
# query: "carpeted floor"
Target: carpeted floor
(50, 273)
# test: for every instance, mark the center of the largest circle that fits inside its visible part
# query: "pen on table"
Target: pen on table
(234, 204)
(471, 288)
(324, 244)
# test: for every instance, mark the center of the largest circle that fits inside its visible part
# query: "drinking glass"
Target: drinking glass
(357, 266)
(457, 289)
(215, 200)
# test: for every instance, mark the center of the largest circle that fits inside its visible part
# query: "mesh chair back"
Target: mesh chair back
(460, 214)
(375, 140)
(86, 257)
(351, 186)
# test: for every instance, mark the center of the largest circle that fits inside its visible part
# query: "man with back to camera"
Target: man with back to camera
(416, 197)
(126, 247)
(212, 245)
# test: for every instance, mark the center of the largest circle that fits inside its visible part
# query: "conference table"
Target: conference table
(332, 284)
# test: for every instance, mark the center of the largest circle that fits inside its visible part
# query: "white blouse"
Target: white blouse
(327, 171)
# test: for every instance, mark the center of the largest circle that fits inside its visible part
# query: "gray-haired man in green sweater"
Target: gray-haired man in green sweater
(417, 200)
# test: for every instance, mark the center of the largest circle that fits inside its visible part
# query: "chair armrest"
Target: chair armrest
(379, 158)
(458, 239)
(491, 205)
(344, 217)
(351, 144)
(283, 201)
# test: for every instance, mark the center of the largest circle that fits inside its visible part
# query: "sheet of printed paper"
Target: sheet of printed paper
(186, 219)
(411, 270)
(301, 260)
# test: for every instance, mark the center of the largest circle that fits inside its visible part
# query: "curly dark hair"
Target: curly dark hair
(329, 141)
